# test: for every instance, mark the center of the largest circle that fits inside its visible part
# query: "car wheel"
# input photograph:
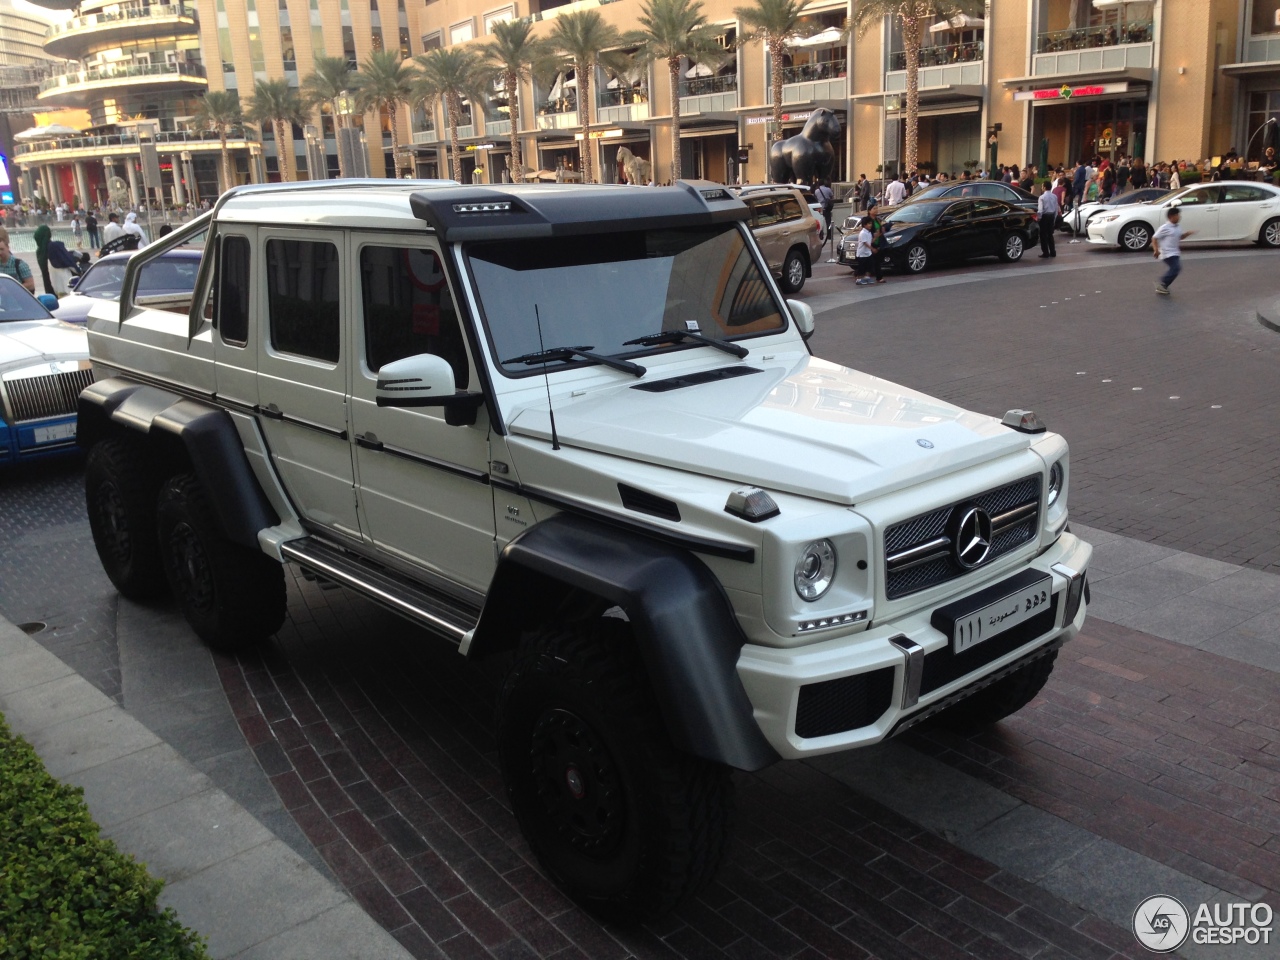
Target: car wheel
(1135, 237)
(917, 258)
(1013, 248)
(626, 824)
(1002, 699)
(120, 487)
(1269, 235)
(793, 269)
(231, 595)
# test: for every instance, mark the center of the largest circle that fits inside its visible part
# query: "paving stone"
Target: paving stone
(1028, 842)
(1186, 619)
(1122, 555)
(138, 783)
(29, 668)
(1247, 589)
(1246, 648)
(87, 741)
(1147, 586)
(344, 932)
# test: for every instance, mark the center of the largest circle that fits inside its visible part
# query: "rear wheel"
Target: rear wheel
(1013, 247)
(120, 486)
(1003, 698)
(1135, 237)
(917, 258)
(793, 269)
(1269, 235)
(626, 824)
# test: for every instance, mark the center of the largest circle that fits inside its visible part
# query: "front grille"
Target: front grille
(940, 565)
(53, 395)
(846, 703)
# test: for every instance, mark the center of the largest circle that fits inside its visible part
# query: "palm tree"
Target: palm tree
(331, 78)
(220, 110)
(515, 55)
(584, 40)
(452, 74)
(774, 23)
(913, 17)
(385, 83)
(672, 30)
(277, 103)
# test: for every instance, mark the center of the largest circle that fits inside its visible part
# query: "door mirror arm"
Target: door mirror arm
(426, 380)
(459, 408)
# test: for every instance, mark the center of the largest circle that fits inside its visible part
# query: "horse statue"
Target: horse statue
(808, 156)
(637, 170)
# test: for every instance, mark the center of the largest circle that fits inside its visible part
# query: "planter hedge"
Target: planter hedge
(66, 892)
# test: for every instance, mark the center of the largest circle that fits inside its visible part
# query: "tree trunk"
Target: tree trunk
(282, 155)
(512, 83)
(455, 108)
(911, 39)
(392, 110)
(337, 125)
(584, 118)
(226, 159)
(673, 64)
(776, 46)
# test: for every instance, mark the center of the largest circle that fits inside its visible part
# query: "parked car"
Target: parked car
(918, 235)
(964, 189)
(174, 275)
(1077, 220)
(811, 201)
(1231, 210)
(788, 232)
(44, 364)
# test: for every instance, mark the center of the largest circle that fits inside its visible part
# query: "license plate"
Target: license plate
(994, 610)
(59, 431)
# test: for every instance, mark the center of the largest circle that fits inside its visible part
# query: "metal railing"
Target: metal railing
(1086, 38)
(126, 13)
(126, 140)
(703, 85)
(941, 54)
(823, 70)
(559, 105)
(121, 71)
(621, 97)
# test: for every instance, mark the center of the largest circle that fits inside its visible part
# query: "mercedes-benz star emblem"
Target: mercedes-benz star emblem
(927, 444)
(973, 538)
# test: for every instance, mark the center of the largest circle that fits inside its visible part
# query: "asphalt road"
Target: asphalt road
(1170, 403)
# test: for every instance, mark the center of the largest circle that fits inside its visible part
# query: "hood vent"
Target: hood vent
(643, 502)
(693, 379)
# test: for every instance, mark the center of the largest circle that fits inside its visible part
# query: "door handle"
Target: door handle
(368, 441)
(270, 411)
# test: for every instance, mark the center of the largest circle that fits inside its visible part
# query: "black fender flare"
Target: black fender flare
(683, 624)
(198, 435)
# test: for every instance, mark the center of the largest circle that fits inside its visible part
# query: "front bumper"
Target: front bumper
(34, 439)
(887, 662)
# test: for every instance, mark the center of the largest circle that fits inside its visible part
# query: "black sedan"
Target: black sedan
(987, 189)
(920, 234)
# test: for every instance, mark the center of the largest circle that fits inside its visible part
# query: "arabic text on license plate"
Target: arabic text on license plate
(995, 618)
(60, 431)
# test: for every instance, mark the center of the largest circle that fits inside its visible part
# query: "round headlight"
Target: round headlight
(1055, 482)
(815, 569)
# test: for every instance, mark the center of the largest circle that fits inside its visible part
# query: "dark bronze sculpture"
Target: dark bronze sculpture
(808, 156)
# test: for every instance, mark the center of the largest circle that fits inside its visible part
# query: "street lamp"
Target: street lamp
(188, 174)
(1266, 123)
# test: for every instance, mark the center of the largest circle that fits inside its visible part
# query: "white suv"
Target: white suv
(579, 428)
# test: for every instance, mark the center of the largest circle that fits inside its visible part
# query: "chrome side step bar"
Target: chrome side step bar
(435, 611)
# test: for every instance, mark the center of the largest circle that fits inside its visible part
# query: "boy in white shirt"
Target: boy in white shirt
(863, 254)
(1166, 246)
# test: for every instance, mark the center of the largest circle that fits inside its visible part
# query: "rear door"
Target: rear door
(764, 225)
(1245, 207)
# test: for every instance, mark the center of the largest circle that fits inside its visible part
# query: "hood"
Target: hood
(31, 341)
(817, 430)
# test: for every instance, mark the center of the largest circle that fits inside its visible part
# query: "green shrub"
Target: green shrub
(67, 893)
(1189, 177)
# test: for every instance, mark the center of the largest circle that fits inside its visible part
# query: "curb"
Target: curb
(226, 875)
(1271, 317)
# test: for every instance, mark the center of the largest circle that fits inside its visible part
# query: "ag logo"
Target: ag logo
(1161, 924)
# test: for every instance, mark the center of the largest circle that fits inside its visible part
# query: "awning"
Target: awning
(699, 70)
(961, 21)
(931, 95)
(1134, 74)
(1107, 4)
(830, 37)
(47, 132)
(1250, 68)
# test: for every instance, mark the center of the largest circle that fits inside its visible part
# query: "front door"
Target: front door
(424, 493)
(1200, 212)
(302, 381)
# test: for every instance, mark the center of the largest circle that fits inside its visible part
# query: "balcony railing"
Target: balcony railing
(1088, 38)
(618, 98)
(558, 105)
(807, 72)
(122, 71)
(941, 55)
(125, 13)
(701, 86)
(128, 140)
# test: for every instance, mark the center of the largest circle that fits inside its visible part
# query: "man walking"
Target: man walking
(896, 192)
(91, 228)
(1167, 246)
(1048, 214)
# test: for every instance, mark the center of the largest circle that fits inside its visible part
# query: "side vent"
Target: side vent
(643, 502)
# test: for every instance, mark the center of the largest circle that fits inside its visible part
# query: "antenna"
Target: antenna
(542, 348)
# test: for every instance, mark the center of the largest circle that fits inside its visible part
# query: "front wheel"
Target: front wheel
(1269, 235)
(120, 485)
(917, 258)
(793, 272)
(1013, 247)
(626, 824)
(1003, 698)
(1136, 237)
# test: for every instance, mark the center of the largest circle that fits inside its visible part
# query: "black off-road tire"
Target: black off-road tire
(1003, 698)
(794, 268)
(232, 596)
(626, 824)
(120, 487)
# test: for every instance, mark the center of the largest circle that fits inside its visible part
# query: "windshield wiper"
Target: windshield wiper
(566, 353)
(675, 336)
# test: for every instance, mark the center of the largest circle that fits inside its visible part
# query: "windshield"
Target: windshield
(1140, 196)
(598, 291)
(17, 304)
(918, 212)
(166, 275)
(103, 280)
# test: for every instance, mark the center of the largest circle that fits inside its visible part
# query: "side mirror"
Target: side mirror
(943, 221)
(426, 380)
(802, 314)
(48, 301)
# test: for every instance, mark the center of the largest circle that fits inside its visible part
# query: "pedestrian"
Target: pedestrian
(12, 266)
(864, 192)
(1138, 174)
(864, 254)
(113, 228)
(131, 226)
(91, 229)
(877, 241)
(77, 230)
(42, 236)
(1048, 216)
(895, 192)
(1167, 246)
(1175, 180)
(826, 196)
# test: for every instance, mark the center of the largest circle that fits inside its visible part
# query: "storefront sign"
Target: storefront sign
(600, 134)
(1068, 92)
(786, 118)
(472, 147)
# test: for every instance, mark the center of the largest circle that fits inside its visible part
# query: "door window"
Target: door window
(1242, 193)
(232, 292)
(409, 310)
(789, 209)
(1205, 195)
(765, 211)
(302, 298)
(960, 211)
(997, 191)
(987, 208)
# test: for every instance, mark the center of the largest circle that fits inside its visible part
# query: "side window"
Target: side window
(789, 209)
(1241, 193)
(408, 309)
(995, 190)
(766, 212)
(987, 208)
(959, 211)
(1205, 195)
(232, 292)
(168, 275)
(302, 298)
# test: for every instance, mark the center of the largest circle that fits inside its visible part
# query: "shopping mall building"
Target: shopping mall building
(1028, 79)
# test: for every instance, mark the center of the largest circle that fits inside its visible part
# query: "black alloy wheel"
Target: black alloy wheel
(120, 486)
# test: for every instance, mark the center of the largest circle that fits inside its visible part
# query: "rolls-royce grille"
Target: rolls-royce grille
(53, 395)
(919, 552)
